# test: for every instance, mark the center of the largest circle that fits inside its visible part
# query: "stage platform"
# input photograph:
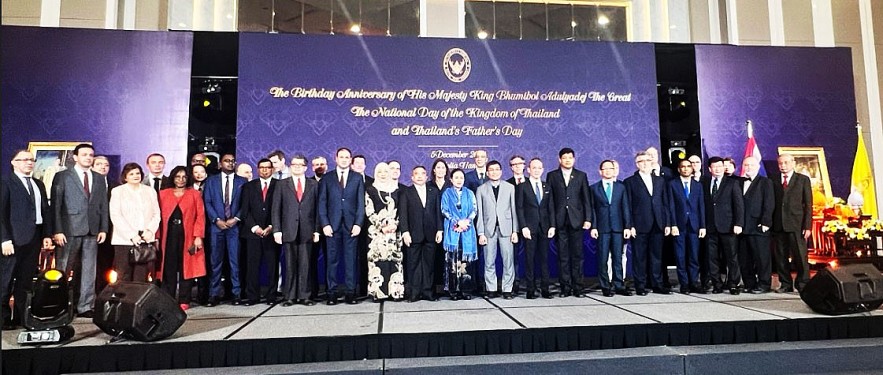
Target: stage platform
(261, 335)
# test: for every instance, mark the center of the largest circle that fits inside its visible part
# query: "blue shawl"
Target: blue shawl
(466, 210)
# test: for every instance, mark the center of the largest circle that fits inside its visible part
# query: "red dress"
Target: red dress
(193, 212)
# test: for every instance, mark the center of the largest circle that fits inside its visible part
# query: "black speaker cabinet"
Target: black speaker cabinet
(138, 311)
(847, 289)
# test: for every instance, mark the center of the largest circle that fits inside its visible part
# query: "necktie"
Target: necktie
(518, 181)
(279, 175)
(30, 188)
(156, 181)
(300, 190)
(227, 209)
(714, 187)
(686, 190)
(538, 192)
(784, 181)
(264, 192)
(86, 185)
(481, 176)
(342, 182)
(608, 191)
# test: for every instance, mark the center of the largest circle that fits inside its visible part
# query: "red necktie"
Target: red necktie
(264, 192)
(86, 185)
(784, 181)
(300, 190)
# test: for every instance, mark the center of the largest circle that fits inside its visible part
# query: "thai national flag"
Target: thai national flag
(751, 149)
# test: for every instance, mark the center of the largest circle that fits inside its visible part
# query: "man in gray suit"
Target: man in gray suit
(496, 226)
(295, 226)
(79, 203)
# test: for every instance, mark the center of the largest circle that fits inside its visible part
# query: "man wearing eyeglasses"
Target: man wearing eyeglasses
(222, 196)
(26, 226)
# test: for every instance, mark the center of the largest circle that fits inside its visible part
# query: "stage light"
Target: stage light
(112, 276)
(482, 34)
(603, 20)
(49, 311)
(356, 29)
(206, 103)
(572, 23)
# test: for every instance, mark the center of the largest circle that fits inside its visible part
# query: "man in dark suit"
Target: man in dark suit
(517, 164)
(535, 215)
(257, 198)
(613, 223)
(477, 176)
(657, 169)
(359, 165)
(792, 224)
(80, 211)
(25, 228)
(572, 208)
(341, 215)
(421, 224)
(296, 228)
(754, 243)
(222, 195)
(156, 163)
(724, 217)
(687, 216)
(649, 200)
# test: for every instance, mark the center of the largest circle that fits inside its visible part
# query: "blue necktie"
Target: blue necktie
(687, 190)
(537, 192)
(608, 190)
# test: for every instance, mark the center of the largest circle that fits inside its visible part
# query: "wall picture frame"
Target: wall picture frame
(810, 161)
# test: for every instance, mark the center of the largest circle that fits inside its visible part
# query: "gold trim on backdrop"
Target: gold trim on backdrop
(810, 161)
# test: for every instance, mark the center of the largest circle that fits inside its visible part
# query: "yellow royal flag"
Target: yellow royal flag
(863, 178)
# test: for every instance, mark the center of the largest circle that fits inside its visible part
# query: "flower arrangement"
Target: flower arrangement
(836, 227)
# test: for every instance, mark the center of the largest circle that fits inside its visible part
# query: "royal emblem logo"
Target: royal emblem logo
(457, 65)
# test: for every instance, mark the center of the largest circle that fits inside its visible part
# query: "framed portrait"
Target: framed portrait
(810, 161)
(52, 157)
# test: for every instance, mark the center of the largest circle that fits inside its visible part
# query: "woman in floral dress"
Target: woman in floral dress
(385, 276)
(460, 244)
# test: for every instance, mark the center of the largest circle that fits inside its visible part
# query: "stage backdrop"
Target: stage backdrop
(415, 100)
(794, 96)
(127, 92)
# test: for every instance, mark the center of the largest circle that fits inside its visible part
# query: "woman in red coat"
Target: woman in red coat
(180, 234)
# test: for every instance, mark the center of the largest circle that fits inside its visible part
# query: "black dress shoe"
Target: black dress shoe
(565, 293)
(546, 294)
(662, 290)
(288, 303)
(351, 299)
(531, 295)
(717, 290)
(735, 291)
(308, 302)
(86, 314)
(331, 301)
(466, 297)
(784, 290)
(579, 294)
(250, 302)
(507, 296)
(624, 292)
(237, 301)
(212, 302)
(641, 292)
(607, 292)
(454, 297)
(685, 290)
(697, 289)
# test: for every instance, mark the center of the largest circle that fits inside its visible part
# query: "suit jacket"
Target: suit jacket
(294, 218)
(536, 216)
(684, 211)
(336, 206)
(648, 212)
(793, 210)
(19, 216)
(759, 203)
(213, 196)
(612, 216)
(472, 181)
(131, 211)
(255, 210)
(193, 217)
(420, 222)
(148, 180)
(74, 213)
(571, 201)
(666, 173)
(524, 178)
(725, 208)
(493, 211)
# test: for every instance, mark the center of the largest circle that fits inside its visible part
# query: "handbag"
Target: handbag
(144, 252)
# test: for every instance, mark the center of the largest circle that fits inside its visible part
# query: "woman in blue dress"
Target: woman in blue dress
(460, 244)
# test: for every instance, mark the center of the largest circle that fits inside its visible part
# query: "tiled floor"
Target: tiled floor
(228, 322)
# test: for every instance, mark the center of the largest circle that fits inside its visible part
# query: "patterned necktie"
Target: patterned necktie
(538, 192)
(714, 187)
(86, 185)
(784, 181)
(299, 191)
(227, 208)
(687, 190)
(264, 192)
(608, 191)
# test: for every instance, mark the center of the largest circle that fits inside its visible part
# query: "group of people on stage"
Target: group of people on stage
(386, 240)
